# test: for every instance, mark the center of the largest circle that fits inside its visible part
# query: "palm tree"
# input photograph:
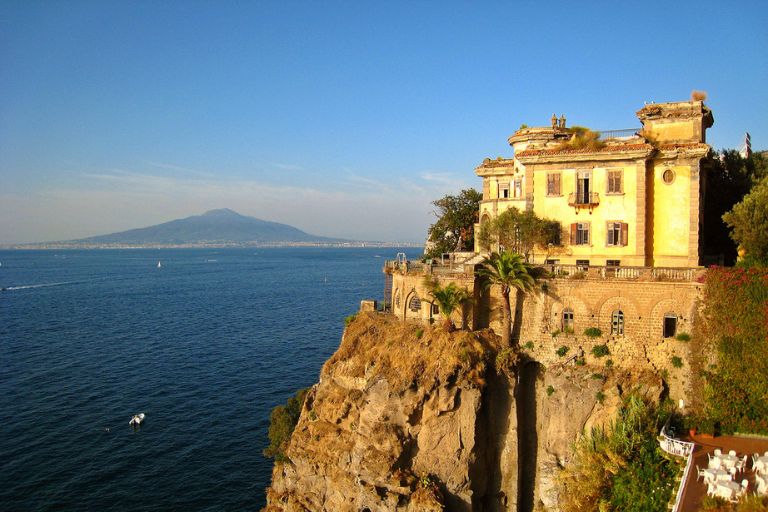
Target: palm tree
(509, 271)
(448, 298)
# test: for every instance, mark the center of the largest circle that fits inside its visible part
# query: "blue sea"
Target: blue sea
(205, 346)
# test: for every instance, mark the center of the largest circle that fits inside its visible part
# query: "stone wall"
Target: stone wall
(593, 301)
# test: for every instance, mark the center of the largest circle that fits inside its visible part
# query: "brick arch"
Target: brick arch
(581, 313)
(632, 322)
(656, 319)
(407, 312)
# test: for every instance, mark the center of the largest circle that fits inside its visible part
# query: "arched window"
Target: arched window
(617, 322)
(670, 325)
(567, 320)
(415, 303)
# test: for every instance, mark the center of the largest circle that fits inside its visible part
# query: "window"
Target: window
(615, 185)
(552, 262)
(435, 309)
(583, 180)
(504, 190)
(568, 320)
(518, 187)
(617, 234)
(583, 265)
(670, 325)
(617, 323)
(553, 184)
(613, 263)
(415, 303)
(580, 233)
(668, 176)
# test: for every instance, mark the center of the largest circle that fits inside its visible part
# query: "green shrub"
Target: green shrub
(609, 363)
(555, 333)
(600, 396)
(600, 350)
(349, 319)
(419, 333)
(528, 345)
(580, 361)
(282, 421)
(562, 351)
(597, 376)
(550, 390)
(683, 336)
(593, 332)
(620, 466)
(506, 361)
(677, 362)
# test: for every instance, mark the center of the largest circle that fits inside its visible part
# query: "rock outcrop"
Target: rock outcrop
(412, 418)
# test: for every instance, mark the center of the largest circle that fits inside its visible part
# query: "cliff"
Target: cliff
(407, 418)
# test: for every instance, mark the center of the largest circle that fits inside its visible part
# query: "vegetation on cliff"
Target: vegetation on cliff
(620, 467)
(282, 421)
(736, 322)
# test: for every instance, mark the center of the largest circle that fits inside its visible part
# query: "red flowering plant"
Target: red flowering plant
(736, 323)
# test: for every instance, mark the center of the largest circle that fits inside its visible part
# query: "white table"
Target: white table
(729, 461)
(716, 475)
(761, 464)
(727, 489)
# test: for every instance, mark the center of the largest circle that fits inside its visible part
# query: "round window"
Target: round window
(668, 176)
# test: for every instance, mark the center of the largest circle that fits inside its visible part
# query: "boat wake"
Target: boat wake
(30, 286)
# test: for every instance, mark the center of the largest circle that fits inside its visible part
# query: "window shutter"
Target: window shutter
(557, 184)
(624, 233)
(573, 234)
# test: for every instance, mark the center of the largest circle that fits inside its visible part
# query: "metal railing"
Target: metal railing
(619, 134)
(677, 448)
(583, 200)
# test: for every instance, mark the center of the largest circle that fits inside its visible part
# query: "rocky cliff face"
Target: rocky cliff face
(411, 418)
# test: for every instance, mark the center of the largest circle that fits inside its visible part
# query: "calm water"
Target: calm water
(205, 346)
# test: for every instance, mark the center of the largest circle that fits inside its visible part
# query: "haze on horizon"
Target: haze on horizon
(342, 119)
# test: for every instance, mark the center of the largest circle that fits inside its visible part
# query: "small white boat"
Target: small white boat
(136, 420)
(159, 265)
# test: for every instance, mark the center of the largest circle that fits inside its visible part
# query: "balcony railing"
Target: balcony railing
(619, 134)
(581, 200)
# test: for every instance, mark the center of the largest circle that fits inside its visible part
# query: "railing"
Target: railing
(463, 263)
(583, 200)
(673, 274)
(680, 449)
(627, 273)
(619, 134)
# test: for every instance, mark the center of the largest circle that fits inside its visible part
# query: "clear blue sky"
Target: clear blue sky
(342, 118)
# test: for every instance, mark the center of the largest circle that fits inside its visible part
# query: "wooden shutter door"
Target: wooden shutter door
(624, 233)
(573, 234)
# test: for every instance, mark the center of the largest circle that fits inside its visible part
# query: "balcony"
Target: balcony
(581, 200)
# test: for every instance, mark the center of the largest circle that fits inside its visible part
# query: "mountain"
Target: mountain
(213, 227)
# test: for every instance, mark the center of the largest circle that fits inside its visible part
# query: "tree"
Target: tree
(520, 231)
(455, 226)
(729, 177)
(448, 298)
(509, 271)
(748, 221)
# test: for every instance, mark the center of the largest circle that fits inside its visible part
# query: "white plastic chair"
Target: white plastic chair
(732, 453)
(718, 452)
(699, 473)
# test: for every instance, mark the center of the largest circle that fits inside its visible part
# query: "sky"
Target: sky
(342, 118)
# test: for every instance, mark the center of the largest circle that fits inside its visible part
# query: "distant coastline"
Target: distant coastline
(205, 245)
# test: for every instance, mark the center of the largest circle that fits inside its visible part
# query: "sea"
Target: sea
(204, 342)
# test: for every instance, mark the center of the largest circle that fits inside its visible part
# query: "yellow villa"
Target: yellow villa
(635, 200)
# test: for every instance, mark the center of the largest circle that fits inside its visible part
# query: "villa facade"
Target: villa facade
(634, 201)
